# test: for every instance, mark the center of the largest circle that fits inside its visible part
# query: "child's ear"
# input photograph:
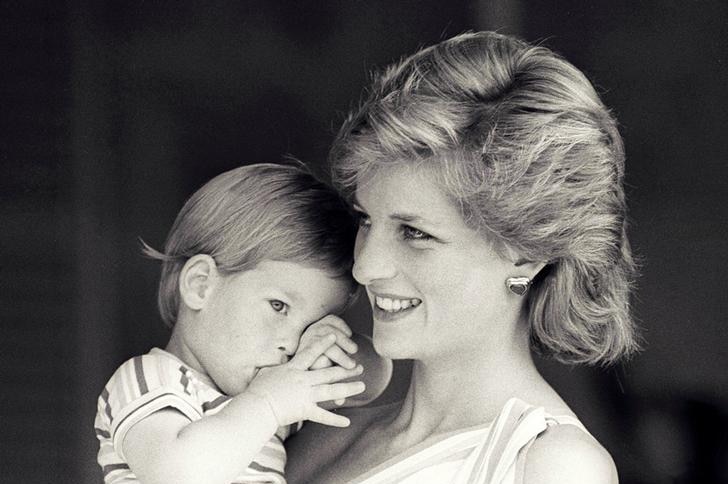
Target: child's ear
(197, 280)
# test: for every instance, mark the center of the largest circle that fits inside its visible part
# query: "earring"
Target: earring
(518, 285)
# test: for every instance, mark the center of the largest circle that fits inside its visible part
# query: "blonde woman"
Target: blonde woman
(488, 179)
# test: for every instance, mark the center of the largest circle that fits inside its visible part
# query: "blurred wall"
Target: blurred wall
(114, 114)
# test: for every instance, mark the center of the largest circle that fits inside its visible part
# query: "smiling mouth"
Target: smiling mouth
(391, 305)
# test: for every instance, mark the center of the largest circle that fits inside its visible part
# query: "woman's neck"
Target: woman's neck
(453, 392)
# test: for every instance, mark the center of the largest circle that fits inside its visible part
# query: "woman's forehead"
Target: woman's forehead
(406, 191)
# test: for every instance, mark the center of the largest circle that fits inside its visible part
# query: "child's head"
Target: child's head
(252, 214)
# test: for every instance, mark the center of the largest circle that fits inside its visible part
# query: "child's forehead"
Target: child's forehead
(300, 281)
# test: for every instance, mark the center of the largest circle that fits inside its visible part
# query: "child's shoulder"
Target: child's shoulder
(156, 366)
(144, 376)
(147, 383)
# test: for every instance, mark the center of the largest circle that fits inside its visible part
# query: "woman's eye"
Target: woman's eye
(279, 306)
(411, 233)
(364, 220)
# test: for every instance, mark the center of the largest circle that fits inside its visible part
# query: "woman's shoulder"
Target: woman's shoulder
(566, 454)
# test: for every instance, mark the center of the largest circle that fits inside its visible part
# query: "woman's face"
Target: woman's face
(436, 286)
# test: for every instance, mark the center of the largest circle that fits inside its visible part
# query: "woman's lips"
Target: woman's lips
(389, 308)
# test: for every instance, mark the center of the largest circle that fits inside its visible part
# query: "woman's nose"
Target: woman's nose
(373, 259)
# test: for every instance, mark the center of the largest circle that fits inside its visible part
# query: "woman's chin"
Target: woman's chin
(392, 346)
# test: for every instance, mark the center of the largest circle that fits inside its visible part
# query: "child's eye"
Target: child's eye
(411, 233)
(279, 306)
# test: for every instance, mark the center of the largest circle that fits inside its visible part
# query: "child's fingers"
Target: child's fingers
(333, 374)
(306, 357)
(335, 322)
(343, 339)
(337, 391)
(337, 355)
(328, 418)
(345, 342)
(322, 361)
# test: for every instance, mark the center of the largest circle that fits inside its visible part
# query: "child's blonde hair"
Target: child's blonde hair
(255, 213)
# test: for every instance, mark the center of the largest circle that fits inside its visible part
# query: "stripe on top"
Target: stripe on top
(207, 406)
(139, 371)
(107, 407)
(255, 466)
(148, 383)
(493, 453)
(108, 469)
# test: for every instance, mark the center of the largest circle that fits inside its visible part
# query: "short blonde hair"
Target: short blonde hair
(255, 213)
(522, 143)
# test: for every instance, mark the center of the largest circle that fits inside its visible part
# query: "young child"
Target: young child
(254, 266)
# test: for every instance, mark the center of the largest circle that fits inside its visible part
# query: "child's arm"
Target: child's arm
(377, 369)
(166, 447)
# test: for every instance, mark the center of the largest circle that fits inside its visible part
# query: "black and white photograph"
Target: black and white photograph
(364, 242)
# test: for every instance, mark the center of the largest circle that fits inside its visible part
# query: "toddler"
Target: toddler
(254, 268)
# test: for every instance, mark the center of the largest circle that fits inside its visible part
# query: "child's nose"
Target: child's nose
(290, 345)
(285, 356)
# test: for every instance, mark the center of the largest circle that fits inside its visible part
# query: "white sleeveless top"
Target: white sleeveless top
(493, 453)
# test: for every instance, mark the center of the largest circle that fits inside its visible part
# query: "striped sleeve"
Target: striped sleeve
(141, 386)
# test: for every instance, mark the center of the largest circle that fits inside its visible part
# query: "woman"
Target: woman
(488, 178)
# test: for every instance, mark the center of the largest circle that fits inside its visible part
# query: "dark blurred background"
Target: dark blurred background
(114, 112)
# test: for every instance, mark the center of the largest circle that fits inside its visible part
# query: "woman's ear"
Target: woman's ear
(197, 281)
(523, 267)
(527, 268)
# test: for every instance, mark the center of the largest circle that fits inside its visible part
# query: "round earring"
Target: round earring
(518, 285)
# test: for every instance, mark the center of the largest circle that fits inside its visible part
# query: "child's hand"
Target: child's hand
(293, 389)
(336, 354)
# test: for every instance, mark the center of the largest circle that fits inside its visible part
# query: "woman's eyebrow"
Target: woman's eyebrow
(405, 217)
(434, 222)
(401, 216)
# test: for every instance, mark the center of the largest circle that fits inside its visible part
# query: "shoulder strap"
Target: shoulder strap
(512, 433)
(565, 420)
(516, 426)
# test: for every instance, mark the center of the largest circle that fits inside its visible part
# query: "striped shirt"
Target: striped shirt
(148, 383)
(493, 453)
